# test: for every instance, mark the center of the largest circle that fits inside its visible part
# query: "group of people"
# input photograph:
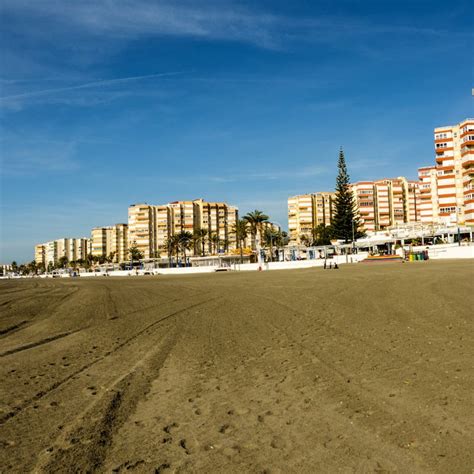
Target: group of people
(331, 266)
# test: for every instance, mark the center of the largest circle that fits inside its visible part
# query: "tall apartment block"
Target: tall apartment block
(40, 254)
(429, 211)
(143, 227)
(151, 225)
(72, 248)
(467, 160)
(218, 218)
(110, 241)
(306, 211)
(448, 186)
(386, 203)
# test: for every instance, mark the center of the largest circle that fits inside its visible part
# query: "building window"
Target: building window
(447, 210)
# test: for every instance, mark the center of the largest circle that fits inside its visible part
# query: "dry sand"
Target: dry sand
(367, 368)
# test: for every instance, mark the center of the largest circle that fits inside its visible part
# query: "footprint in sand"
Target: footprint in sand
(183, 445)
(168, 428)
(91, 390)
(225, 429)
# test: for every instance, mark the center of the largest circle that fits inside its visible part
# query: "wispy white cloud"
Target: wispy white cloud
(207, 19)
(14, 98)
(127, 18)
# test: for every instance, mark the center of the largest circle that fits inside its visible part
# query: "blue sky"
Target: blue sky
(104, 104)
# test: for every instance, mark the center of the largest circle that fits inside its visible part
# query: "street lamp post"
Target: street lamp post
(259, 251)
(353, 237)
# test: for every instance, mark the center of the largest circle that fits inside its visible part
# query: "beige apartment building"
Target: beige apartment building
(150, 226)
(218, 218)
(110, 242)
(143, 228)
(40, 254)
(306, 211)
(73, 249)
(386, 203)
(101, 241)
(120, 242)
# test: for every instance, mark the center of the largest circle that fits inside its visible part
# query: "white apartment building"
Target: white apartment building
(448, 186)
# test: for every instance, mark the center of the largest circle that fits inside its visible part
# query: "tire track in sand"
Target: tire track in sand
(86, 442)
(32, 345)
(19, 408)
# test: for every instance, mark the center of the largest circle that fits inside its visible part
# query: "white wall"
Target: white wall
(340, 259)
(447, 251)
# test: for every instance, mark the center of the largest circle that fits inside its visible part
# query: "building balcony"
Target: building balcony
(468, 160)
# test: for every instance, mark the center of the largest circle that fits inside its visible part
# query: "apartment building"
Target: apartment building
(467, 161)
(143, 228)
(306, 211)
(40, 254)
(120, 242)
(110, 242)
(51, 252)
(150, 226)
(448, 186)
(218, 218)
(184, 217)
(385, 203)
(74, 249)
(429, 212)
(101, 241)
(164, 225)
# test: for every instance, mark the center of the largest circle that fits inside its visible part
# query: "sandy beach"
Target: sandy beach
(368, 368)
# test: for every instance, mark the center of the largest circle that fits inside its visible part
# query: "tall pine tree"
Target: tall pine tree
(345, 217)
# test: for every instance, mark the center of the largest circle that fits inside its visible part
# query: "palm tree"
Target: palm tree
(225, 243)
(241, 230)
(89, 261)
(256, 219)
(184, 239)
(214, 239)
(199, 237)
(32, 267)
(172, 245)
